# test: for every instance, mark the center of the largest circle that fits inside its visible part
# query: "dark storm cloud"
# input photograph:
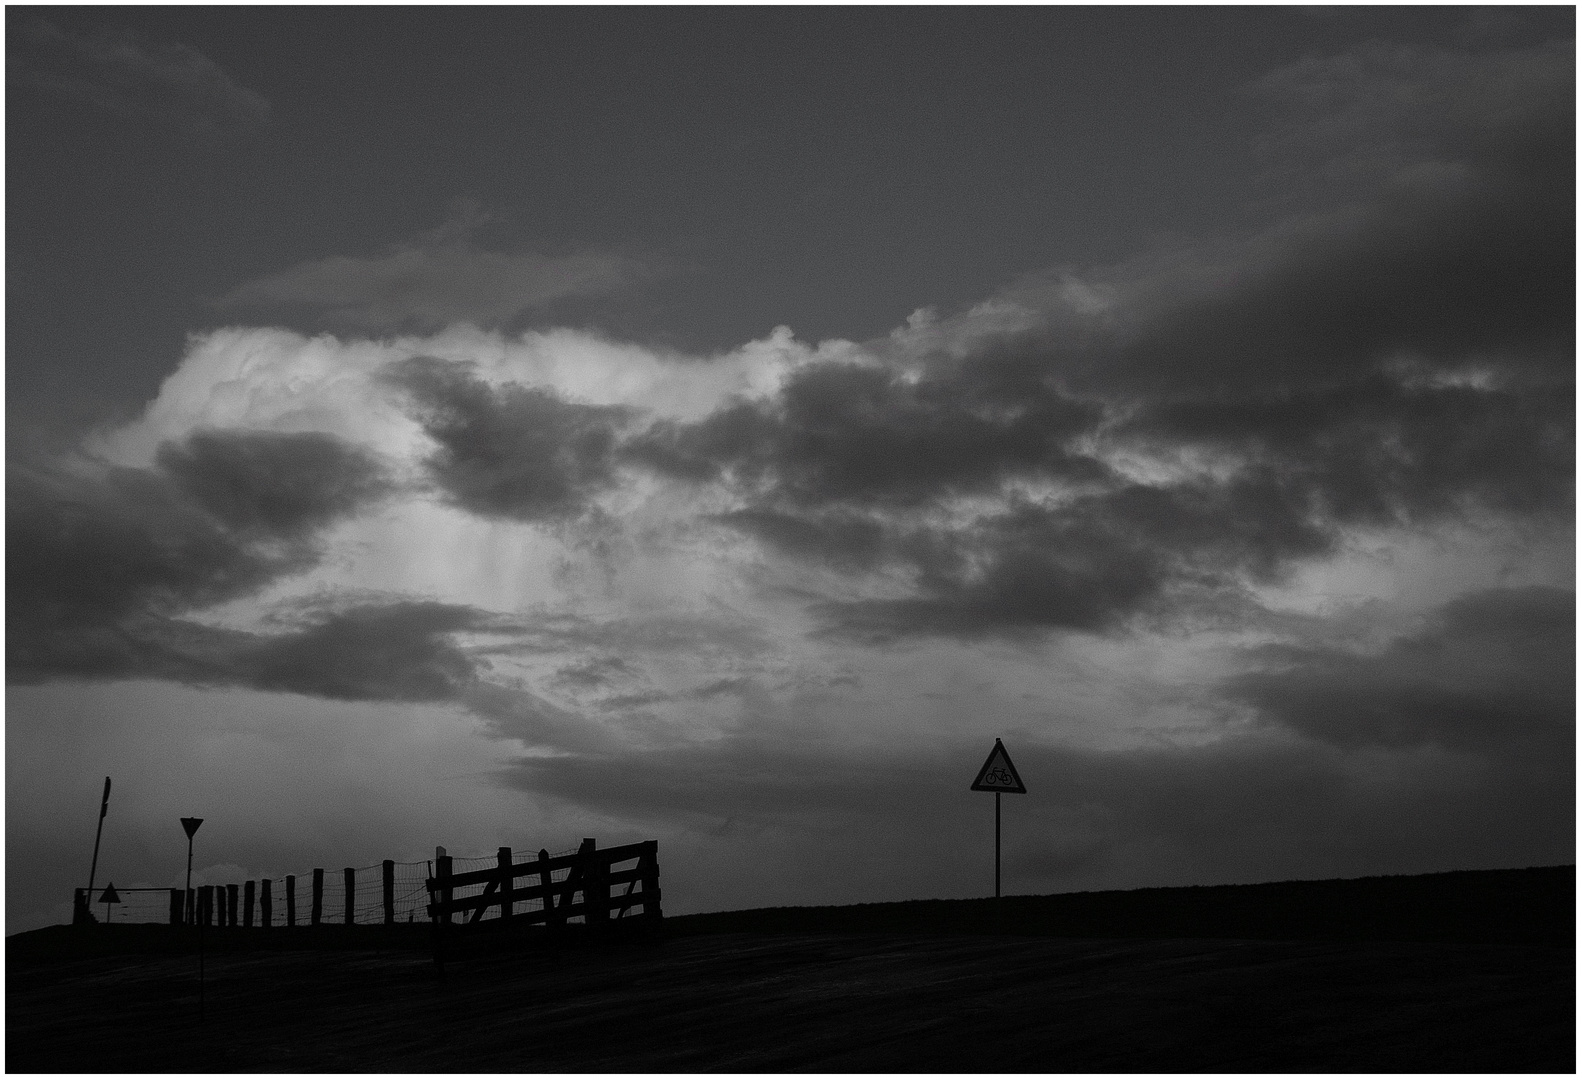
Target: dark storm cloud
(440, 278)
(841, 432)
(270, 484)
(513, 451)
(165, 82)
(1094, 562)
(1377, 452)
(98, 561)
(842, 538)
(1395, 349)
(1493, 672)
(401, 651)
(1454, 240)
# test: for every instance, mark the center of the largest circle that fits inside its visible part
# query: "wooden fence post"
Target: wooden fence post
(318, 895)
(291, 899)
(595, 884)
(503, 861)
(389, 883)
(247, 904)
(651, 881)
(350, 876)
(230, 903)
(440, 891)
(266, 903)
(552, 917)
(219, 906)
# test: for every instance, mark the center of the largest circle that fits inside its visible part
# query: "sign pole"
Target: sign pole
(996, 845)
(999, 776)
(190, 824)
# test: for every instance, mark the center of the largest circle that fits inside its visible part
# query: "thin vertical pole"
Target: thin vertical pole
(996, 845)
(502, 859)
(104, 808)
(389, 890)
(349, 875)
(190, 902)
(442, 869)
(291, 899)
(318, 895)
(595, 885)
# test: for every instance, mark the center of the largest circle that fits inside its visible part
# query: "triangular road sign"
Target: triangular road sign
(998, 774)
(191, 825)
(110, 895)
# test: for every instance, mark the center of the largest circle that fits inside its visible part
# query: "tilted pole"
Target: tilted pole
(104, 808)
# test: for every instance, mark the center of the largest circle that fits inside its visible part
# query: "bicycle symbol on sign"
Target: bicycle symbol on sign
(998, 777)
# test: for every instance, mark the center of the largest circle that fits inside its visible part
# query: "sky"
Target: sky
(502, 426)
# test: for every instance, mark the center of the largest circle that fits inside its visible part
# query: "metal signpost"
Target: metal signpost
(190, 909)
(998, 775)
(191, 825)
(110, 897)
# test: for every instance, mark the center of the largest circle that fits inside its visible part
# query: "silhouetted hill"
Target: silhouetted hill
(1471, 972)
(1531, 906)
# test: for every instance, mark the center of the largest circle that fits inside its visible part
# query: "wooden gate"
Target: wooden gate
(593, 887)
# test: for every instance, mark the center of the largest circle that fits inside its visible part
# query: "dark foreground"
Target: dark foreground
(125, 999)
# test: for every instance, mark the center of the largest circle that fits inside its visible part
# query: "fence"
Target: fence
(581, 884)
(391, 892)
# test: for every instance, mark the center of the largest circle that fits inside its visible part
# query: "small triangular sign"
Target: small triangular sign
(110, 895)
(191, 825)
(998, 774)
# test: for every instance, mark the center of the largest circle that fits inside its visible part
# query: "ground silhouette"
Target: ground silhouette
(927, 986)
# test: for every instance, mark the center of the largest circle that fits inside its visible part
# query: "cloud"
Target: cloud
(400, 651)
(513, 451)
(100, 559)
(1492, 671)
(848, 432)
(170, 83)
(1086, 449)
(1436, 227)
(1387, 449)
(439, 278)
(272, 484)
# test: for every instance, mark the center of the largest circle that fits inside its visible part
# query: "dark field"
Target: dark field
(938, 986)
